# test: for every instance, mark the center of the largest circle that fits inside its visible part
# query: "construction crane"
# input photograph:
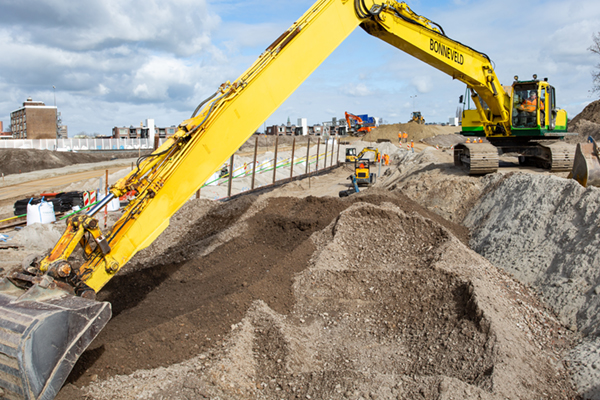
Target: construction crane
(48, 311)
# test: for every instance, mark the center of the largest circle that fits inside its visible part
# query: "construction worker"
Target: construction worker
(405, 135)
(379, 157)
(387, 159)
(528, 108)
(400, 137)
(468, 140)
(412, 146)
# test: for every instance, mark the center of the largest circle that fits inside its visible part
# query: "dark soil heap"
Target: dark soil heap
(16, 161)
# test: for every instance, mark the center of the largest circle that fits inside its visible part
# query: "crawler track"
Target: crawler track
(479, 158)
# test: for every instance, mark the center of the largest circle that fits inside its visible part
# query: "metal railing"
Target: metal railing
(76, 144)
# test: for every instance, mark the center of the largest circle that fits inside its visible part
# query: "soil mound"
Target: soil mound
(590, 113)
(16, 161)
(414, 130)
(401, 310)
(586, 123)
(544, 230)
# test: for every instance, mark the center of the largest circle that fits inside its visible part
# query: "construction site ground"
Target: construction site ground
(431, 284)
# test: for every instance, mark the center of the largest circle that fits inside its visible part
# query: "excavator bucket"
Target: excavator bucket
(586, 164)
(43, 331)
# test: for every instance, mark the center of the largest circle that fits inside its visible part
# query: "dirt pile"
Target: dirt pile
(544, 230)
(590, 113)
(403, 310)
(16, 161)
(414, 130)
(586, 123)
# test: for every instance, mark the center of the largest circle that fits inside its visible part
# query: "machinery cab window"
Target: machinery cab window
(526, 105)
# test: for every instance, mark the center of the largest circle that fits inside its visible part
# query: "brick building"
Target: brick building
(34, 120)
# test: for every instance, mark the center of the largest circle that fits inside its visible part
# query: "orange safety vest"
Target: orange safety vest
(412, 144)
(405, 135)
(529, 105)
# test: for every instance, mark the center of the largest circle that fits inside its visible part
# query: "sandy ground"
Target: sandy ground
(431, 284)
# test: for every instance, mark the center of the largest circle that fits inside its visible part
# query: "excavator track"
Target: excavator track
(479, 158)
(560, 155)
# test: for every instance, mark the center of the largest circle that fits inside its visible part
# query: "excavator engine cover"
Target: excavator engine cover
(586, 165)
(43, 331)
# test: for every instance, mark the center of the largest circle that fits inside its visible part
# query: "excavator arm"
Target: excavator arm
(48, 315)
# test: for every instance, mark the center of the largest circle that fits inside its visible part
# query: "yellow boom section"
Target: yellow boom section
(397, 25)
(239, 109)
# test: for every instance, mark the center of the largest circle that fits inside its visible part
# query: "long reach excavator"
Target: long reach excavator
(48, 311)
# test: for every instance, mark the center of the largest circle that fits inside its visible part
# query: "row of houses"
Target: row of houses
(334, 127)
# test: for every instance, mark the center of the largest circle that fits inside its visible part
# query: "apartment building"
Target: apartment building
(34, 120)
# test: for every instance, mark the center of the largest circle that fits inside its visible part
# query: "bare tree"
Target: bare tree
(595, 48)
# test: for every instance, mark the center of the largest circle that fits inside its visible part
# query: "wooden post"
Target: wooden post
(292, 159)
(254, 163)
(307, 154)
(230, 175)
(318, 145)
(332, 151)
(326, 149)
(275, 158)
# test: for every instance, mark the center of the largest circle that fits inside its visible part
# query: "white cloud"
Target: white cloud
(423, 84)
(356, 89)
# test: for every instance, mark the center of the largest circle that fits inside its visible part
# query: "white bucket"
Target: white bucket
(42, 213)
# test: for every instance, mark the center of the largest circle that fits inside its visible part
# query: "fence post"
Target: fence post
(292, 159)
(307, 154)
(275, 157)
(332, 151)
(318, 145)
(325, 158)
(230, 175)
(254, 163)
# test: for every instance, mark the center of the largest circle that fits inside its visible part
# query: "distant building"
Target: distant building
(142, 131)
(34, 120)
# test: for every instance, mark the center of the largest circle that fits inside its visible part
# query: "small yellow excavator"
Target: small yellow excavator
(351, 155)
(586, 165)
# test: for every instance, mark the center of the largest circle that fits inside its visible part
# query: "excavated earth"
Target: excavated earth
(432, 284)
(366, 297)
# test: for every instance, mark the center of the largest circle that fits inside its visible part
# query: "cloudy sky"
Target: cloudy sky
(119, 62)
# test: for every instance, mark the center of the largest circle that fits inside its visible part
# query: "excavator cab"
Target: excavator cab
(350, 154)
(534, 111)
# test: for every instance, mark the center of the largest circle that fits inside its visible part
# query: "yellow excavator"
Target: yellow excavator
(48, 311)
(351, 155)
